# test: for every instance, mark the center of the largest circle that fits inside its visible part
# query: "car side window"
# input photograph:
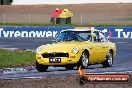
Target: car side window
(85, 36)
(61, 38)
(89, 37)
(102, 37)
(96, 36)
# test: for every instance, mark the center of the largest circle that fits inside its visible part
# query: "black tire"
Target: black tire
(109, 60)
(52, 20)
(82, 62)
(41, 68)
(69, 67)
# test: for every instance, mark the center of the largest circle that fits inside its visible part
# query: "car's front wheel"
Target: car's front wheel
(83, 62)
(41, 68)
(109, 60)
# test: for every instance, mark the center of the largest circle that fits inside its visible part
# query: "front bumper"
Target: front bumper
(72, 59)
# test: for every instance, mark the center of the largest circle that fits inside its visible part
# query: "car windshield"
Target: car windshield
(80, 36)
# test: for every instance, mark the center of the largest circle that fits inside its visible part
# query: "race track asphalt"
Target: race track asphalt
(122, 62)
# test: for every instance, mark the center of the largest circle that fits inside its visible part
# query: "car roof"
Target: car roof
(79, 30)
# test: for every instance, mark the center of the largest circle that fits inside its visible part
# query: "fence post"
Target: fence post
(29, 18)
(81, 18)
(4, 18)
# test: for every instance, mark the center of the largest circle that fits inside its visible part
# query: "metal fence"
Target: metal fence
(82, 18)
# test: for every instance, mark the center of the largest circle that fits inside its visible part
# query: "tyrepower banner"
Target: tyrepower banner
(29, 32)
(46, 32)
(113, 32)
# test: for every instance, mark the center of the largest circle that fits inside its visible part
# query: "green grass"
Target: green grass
(10, 58)
(61, 25)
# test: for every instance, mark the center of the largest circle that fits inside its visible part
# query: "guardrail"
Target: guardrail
(78, 18)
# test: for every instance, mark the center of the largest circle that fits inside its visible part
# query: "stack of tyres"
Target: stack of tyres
(65, 20)
(55, 20)
(68, 20)
(65, 16)
(55, 16)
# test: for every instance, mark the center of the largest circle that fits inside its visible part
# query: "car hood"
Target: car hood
(61, 47)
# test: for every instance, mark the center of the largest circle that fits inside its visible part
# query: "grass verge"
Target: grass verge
(10, 58)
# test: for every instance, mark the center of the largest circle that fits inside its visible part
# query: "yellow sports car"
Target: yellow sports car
(76, 47)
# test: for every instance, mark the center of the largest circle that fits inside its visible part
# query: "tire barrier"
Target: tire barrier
(63, 17)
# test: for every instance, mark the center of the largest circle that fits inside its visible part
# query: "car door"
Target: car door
(104, 46)
(97, 48)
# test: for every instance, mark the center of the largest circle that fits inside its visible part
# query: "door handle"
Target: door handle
(104, 47)
(90, 48)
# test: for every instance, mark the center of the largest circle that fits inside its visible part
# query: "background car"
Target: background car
(76, 47)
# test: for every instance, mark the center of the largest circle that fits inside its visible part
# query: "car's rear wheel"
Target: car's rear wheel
(69, 67)
(109, 60)
(83, 62)
(41, 68)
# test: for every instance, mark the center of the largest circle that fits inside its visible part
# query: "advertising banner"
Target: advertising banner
(31, 32)
(115, 32)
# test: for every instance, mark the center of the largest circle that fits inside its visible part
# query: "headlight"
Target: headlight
(75, 50)
(38, 50)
